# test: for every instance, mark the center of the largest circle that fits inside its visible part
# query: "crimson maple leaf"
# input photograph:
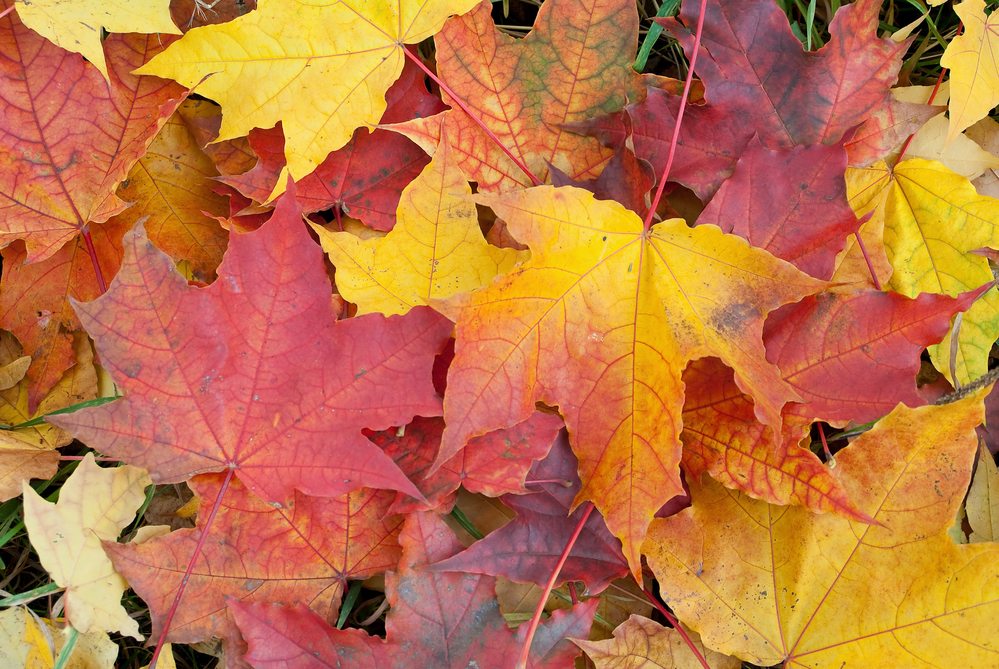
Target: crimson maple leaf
(253, 373)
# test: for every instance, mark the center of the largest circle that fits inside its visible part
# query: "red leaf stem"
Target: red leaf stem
(679, 116)
(190, 566)
(525, 651)
(679, 628)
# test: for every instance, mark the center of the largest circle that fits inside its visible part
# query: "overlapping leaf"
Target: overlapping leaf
(574, 65)
(529, 547)
(601, 322)
(493, 464)
(974, 64)
(802, 218)
(94, 504)
(758, 79)
(61, 166)
(435, 250)
(364, 178)
(252, 373)
(640, 643)
(29, 452)
(67, 138)
(76, 26)
(171, 191)
(722, 438)
(823, 590)
(322, 70)
(854, 356)
(304, 552)
(933, 222)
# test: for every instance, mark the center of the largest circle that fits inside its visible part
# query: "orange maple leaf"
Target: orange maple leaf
(601, 321)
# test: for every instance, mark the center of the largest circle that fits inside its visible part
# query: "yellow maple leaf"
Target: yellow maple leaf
(983, 499)
(94, 504)
(34, 643)
(435, 250)
(933, 221)
(321, 68)
(781, 585)
(601, 322)
(75, 25)
(973, 60)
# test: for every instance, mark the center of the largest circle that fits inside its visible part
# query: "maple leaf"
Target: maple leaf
(803, 219)
(758, 79)
(575, 64)
(322, 70)
(94, 504)
(528, 549)
(60, 166)
(435, 250)
(601, 322)
(60, 170)
(854, 356)
(364, 178)
(426, 626)
(493, 464)
(824, 590)
(76, 25)
(251, 373)
(974, 67)
(304, 552)
(722, 438)
(640, 643)
(933, 221)
(983, 499)
(961, 154)
(626, 179)
(171, 190)
(29, 452)
(35, 300)
(887, 127)
(29, 641)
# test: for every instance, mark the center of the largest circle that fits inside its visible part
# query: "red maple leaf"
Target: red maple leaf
(253, 374)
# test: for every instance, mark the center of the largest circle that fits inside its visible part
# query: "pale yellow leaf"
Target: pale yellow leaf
(962, 155)
(640, 643)
(973, 60)
(95, 504)
(34, 643)
(982, 506)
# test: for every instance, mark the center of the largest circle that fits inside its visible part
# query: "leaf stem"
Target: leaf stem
(679, 116)
(677, 626)
(535, 181)
(825, 446)
(929, 101)
(7, 11)
(863, 250)
(525, 651)
(92, 252)
(190, 567)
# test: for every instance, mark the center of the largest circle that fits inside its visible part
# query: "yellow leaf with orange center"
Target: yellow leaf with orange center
(320, 68)
(601, 322)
